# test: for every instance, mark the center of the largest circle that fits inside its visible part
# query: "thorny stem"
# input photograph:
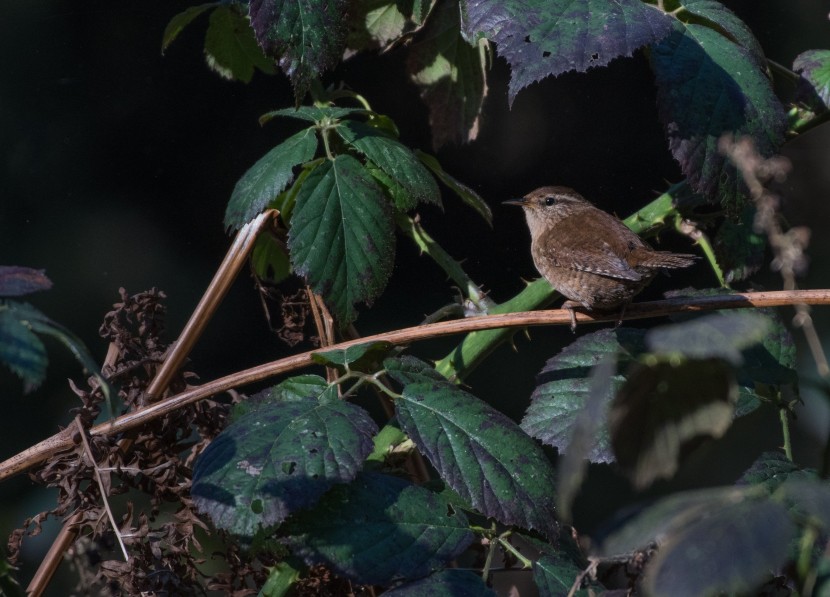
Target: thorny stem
(104, 496)
(63, 440)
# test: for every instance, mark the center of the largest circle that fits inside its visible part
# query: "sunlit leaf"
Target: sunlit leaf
(478, 451)
(230, 47)
(341, 236)
(268, 177)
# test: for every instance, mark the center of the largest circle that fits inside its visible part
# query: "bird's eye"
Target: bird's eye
(550, 200)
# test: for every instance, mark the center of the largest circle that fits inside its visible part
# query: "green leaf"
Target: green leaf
(230, 47)
(315, 114)
(17, 281)
(182, 20)
(379, 528)
(663, 405)
(374, 24)
(478, 451)
(280, 457)
(564, 389)
(540, 38)
(297, 388)
(451, 76)
(770, 470)
(731, 551)
(814, 67)
(445, 583)
(412, 183)
(341, 236)
(708, 85)
(281, 580)
(30, 356)
(555, 575)
(21, 350)
(465, 193)
(715, 336)
(270, 259)
(268, 177)
(355, 357)
(306, 37)
(720, 18)
(385, 440)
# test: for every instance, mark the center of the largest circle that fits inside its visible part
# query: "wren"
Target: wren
(588, 255)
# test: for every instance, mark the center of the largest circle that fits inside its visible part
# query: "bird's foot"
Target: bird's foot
(570, 305)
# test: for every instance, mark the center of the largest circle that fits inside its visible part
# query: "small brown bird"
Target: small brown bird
(588, 255)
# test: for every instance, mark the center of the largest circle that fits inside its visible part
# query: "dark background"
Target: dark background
(117, 164)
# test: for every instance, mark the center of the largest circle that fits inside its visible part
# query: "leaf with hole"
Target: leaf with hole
(341, 237)
(379, 528)
(478, 451)
(541, 38)
(280, 457)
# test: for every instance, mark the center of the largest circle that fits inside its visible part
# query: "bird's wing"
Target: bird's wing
(588, 255)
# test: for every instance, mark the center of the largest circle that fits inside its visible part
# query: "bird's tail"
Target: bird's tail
(664, 259)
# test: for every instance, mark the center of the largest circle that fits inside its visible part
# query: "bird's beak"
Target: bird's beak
(521, 202)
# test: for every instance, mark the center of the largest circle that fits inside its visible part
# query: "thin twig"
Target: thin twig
(101, 488)
(63, 440)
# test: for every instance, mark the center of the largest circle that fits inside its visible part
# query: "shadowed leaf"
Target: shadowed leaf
(465, 193)
(451, 76)
(21, 350)
(379, 528)
(445, 583)
(814, 67)
(182, 20)
(356, 357)
(230, 47)
(280, 456)
(17, 281)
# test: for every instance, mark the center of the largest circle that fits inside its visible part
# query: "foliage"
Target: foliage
(299, 481)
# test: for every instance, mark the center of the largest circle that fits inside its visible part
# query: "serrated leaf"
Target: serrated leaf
(268, 177)
(658, 522)
(299, 387)
(554, 577)
(478, 451)
(445, 583)
(341, 237)
(306, 37)
(707, 85)
(661, 407)
(564, 386)
(315, 114)
(540, 38)
(770, 469)
(715, 336)
(722, 19)
(353, 356)
(280, 457)
(731, 551)
(465, 193)
(379, 528)
(182, 20)
(814, 67)
(738, 248)
(230, 47)
(281, 579)
(412, 182)
(17, 281)
(21, 350)
(451, 75)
